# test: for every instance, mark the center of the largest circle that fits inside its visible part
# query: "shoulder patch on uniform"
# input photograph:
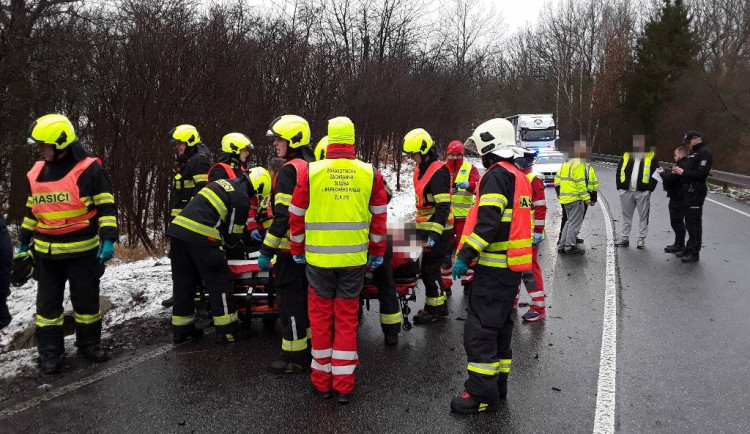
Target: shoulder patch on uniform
(226, 185)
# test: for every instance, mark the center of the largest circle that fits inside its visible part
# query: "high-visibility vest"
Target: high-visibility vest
(337, 220)
(592, 182)
(462, 199)
(572, 182)
(425, 210)
(57, 205)
(647, 158)
(516, 252)
(301, 166)
(227, 168)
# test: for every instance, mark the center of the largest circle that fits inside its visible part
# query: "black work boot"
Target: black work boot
(93, 353)
(5, 316)
(343, 398)
(282, 367)
(51, 348)
(169, 302)
(683, 253)
(693, 257)
(466, 404)
(674, 248)
(230, 337)
(427, 315)
(502, 386)
(88, 341)
(321, 394)
(391, 339)
(182, 334)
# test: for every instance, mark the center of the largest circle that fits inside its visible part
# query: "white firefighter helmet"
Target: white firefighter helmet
(495, 136)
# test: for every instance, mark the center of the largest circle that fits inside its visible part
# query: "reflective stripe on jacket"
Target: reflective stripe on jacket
(57, 205)
(426, 201)
(337, 220)
(571, 178)
(515, 252)
(277, 235)
(462, 199)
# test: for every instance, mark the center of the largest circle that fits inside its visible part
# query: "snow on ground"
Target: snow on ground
(136, 289)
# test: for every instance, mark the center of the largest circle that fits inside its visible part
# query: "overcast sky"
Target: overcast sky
(516, 13)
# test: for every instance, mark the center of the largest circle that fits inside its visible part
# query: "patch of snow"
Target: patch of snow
(135, 289)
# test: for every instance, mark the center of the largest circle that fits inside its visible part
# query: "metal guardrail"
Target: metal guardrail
(724, 179)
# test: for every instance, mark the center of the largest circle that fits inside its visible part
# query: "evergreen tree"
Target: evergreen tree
(666, 49)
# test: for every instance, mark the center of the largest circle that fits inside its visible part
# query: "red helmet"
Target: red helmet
(455, 147)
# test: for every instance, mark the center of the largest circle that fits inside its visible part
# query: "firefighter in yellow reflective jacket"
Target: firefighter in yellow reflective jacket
(571, 188)
(213, 221)
(291, 140)
(72, 219)
(191, 171)
(498, 236)
(190, 175)
(432, 188)
(337, 222)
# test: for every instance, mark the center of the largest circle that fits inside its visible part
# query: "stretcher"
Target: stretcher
(406, 267)
(253, 288)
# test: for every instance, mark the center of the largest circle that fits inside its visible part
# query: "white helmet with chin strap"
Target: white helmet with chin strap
(496, 136)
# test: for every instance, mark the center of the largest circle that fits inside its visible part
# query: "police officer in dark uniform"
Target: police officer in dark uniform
(673, 186)
(697, 168)
(216, 219)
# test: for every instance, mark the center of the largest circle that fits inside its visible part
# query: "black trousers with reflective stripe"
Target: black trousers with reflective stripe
(432, 259)
(83, 274)
(290, 283)
(383, 279)
(190, 264)
(489, 326)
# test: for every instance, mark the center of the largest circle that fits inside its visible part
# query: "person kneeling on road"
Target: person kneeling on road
(213, 221)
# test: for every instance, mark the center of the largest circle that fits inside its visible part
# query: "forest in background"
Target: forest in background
(127, 71)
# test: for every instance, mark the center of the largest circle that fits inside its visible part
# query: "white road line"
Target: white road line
(604, 418)
(728, 207)
(8, 412)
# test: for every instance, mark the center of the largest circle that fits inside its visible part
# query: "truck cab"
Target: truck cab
(535, 131)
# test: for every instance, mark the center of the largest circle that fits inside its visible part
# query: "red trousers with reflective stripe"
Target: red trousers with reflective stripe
(333, 322)
(534, 284)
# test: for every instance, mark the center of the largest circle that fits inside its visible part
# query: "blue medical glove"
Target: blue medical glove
(537, 238)
(374, 261)
(463, 185)
(22, 248)
(264, 262)
(459, 269)
(106, 251)
(455, 190)
(300, 259)
(255, 235)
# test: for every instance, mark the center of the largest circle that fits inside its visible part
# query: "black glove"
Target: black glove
(23, 268)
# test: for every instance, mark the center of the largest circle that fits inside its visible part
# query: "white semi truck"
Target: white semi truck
(535, 131)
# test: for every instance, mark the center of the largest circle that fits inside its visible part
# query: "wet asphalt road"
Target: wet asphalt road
(682, 357)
